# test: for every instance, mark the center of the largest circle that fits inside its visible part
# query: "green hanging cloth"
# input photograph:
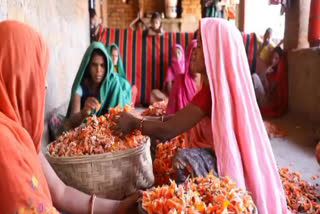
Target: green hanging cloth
(125, 85)
(210, 11)
(111, 89)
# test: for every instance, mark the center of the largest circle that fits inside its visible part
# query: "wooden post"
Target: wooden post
(101, 10)
(242, 13)
(297, 25)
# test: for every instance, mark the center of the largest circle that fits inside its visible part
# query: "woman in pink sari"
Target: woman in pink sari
(185, 85)
(176, 68)
(239, 145)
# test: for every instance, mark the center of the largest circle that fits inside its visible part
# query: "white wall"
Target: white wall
(64, 24)
(260, 15)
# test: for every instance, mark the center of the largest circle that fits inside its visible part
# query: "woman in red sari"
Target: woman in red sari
(271, 86)
(239, 145)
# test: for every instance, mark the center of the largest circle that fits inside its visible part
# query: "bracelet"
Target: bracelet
(92, 200)
(141, 124)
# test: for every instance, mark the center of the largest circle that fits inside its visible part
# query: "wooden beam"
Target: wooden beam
(242, 14)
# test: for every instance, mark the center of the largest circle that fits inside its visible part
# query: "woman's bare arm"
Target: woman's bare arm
(132, 24)
(70, 200)
(164, 118)
(182, 121)
(77, 117)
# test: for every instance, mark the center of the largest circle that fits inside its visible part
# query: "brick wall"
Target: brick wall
(151, 6)
(191, 8)
(119, 14)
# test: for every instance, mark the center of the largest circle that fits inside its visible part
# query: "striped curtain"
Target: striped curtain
(145, 58)
(251, 46)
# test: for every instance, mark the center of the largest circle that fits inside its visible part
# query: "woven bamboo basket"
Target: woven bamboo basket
(109, 175)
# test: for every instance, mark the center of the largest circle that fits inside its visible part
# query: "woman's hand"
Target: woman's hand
(90, 104)
(129, 205)
(269, 70)
(265, 43)
(125, 122)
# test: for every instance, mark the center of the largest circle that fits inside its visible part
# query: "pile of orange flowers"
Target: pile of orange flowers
(162, 165)
(302, 197)
(199, 195)
(95, 137)
(274, 130)
(156, 110)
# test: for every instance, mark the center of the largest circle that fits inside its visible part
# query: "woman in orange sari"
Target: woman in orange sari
(28, 183)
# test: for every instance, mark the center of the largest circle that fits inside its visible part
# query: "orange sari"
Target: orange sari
(23, 66)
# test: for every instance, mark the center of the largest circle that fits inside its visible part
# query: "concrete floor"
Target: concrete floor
(296, 150)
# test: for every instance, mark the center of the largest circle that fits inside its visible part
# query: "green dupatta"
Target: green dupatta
(111, 89)
(121, 71)
(126, 87)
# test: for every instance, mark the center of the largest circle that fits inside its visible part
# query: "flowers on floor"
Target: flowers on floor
(274, 130)
(302, 197)
(317, 152)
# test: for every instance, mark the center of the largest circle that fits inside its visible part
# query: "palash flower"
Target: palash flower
(95, 137)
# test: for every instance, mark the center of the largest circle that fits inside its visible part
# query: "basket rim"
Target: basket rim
(99, 157)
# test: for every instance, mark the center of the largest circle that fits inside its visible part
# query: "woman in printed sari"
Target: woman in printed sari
(238, 145)
(185, 85)
(28, 183)
(114, 52)
(266, 47)
(96, 88)
(177, 67)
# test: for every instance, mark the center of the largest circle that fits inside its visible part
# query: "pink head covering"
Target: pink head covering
(177, 66)
(183, 88)
(240, 140)
(192, 45)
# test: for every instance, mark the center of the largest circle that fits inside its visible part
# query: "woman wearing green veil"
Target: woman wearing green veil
(114, 52)
(96, 88)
